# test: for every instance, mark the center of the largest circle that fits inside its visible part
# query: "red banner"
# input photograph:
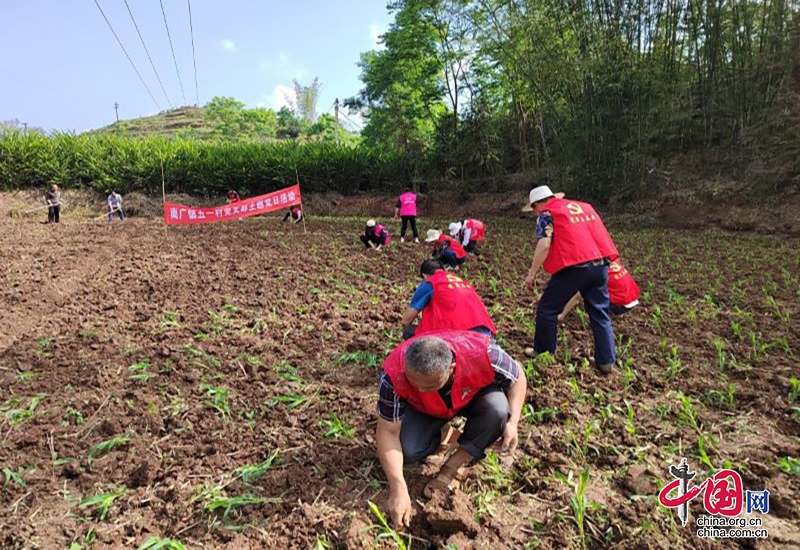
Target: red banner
(178, 214)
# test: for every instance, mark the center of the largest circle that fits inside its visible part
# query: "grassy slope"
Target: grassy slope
(166, 123)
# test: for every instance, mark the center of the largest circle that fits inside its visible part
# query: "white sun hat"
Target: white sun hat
(454, 228)
(539, 194)
(433, 235)
(370, 223)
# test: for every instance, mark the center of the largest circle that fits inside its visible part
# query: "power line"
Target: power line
(128, 56)
(148, 53)
(180, 82)
(194, 59)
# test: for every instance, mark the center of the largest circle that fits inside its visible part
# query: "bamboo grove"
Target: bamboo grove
(595, 92)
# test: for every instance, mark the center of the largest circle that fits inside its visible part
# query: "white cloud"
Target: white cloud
(375, 33)
(281, 96)
(228, 45)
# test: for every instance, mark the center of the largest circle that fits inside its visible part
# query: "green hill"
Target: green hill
(183, 120)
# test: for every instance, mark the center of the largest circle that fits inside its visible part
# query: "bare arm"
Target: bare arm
(409, 316)
(516, 398)
(539, 256)
(390, 453)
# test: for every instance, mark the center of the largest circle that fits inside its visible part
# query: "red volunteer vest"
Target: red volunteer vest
(622, 289)
(408, 204)
(380, 229)
(473, 372)
(455, 246)
(454, 306)
(579, 235)
(478, 229)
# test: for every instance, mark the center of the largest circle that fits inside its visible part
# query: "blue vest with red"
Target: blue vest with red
(579, 235)
(473, 372)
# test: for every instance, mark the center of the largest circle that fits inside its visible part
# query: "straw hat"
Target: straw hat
(370, 223)
(433, 235)
(454, 228)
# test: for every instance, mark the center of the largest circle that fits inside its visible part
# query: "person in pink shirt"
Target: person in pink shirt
(406, 208)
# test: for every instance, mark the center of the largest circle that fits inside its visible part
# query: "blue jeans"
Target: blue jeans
(118, 211)
(448, 257)
(592, 282)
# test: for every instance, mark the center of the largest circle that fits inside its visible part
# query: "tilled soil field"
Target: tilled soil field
(216, 386)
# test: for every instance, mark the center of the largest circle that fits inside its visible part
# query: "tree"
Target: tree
(305, 101)
(226, 115)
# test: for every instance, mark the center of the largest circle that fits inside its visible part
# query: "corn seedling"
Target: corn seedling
(790, 465)
(252, 473)
(102, 502)
(687, 414)
(702, 440)
(483, 503)
(229, 504)
(722, 355)
(16, 416)
(628, 372)
(534, 416)
(369, 360)
(170, 319)
(104, 447)
(674, 365)
(157, 543)
(217, 399)
(630, 422)
(581, 447)
(139, 371)
(794, 389)
(722, 399)
(656, 318)
(322, 543)
(494, 474)
(337, 427)
(287, 372)
(384, 530)
(72, 417)
(291, 400)
(10, 475)
(578, 501)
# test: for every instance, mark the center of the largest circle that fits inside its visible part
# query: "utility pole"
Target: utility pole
(336, 110)
(116, 110)
(25, 127)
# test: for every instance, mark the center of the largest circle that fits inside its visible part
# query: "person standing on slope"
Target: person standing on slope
(406, 208)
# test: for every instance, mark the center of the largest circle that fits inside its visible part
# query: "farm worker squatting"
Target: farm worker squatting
(447, 302)
(407, 209)
(115, 205)
(576, 249)
(53, 200)
(623, 292)
(295, 214)
(375, 236)
(426, 382)
(470, 232)
(446, 249)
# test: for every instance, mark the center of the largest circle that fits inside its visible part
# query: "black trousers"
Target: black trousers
(406, 220)
(487, 414)
(53, 213)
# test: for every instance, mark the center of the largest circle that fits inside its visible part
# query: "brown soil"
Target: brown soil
(135, 330)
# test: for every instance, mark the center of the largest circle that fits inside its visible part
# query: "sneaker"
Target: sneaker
(402, 240)
(605, 369)
(416, 241)
(530, 352)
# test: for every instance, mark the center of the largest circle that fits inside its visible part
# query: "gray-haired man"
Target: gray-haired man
(429, 380)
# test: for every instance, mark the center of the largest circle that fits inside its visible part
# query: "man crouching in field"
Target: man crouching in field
(429, 380)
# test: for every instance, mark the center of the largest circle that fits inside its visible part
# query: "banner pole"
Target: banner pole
(302, 206)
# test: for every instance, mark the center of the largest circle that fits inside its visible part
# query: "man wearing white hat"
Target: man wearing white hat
(375, 236)
(446, 249)
(576, 249)
(470, 232)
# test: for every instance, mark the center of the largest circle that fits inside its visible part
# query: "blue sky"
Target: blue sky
(62, 68)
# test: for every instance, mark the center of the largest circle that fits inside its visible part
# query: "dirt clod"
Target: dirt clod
(448, 513)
